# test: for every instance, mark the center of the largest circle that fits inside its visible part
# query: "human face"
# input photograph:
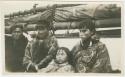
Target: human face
(61, 56)
(16, 34)
(42, 33)
(85, 34)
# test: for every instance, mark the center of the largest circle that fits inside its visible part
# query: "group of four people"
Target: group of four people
(43, 53)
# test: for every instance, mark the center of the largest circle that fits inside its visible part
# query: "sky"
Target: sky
(15, 6)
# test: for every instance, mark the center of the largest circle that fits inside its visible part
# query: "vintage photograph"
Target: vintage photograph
(46, 37)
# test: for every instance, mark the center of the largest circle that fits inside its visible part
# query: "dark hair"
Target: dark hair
(16, 26)
(89, 24)
(42, 25)
(67, 52)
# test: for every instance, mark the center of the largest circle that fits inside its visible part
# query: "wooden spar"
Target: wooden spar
(105, 23)
(39, 9)
(76, 13)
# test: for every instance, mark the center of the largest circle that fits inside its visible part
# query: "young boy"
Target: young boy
(40, 51)
(90, 55)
